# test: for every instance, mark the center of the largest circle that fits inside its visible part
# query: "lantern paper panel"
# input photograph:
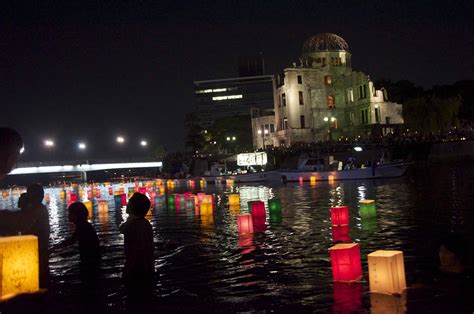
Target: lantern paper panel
(386, 272)
(103, 207)
(19, 271)
(312, 180)
(274, 205)
(244, 223)
(340, 216)
(234, 199)
(206, 209)
(300, 179)
(367, 209)
(124, 199)
(88, 205)
(345, 261)
(258, 209)
(259, 223)
(234, 210)
(341, 234)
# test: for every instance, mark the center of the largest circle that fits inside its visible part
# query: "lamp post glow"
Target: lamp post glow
(120, 140)
(143, 143)
(49, 143)
(81, 146)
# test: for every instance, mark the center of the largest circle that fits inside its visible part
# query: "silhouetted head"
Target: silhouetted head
(452, 253)
(138, 205)
(78, 212)
(23, 201)
(35, 193)
(10, 147)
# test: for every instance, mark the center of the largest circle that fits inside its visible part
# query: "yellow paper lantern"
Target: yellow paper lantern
(103, 207)
(386, 272)
(88, 205)
(312, 180)
(234, 199)
(62, 194)
(234, 210)
(331, 178)
(19, 271)
(206, 209)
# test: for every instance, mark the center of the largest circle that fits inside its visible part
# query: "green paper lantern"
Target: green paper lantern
(367, 209)
(274, 205)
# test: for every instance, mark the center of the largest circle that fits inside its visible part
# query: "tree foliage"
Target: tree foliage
(195, 137)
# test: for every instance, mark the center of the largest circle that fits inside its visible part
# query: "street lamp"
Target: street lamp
(143, 143)
(82, 146)
(120, 140)
(49, 143)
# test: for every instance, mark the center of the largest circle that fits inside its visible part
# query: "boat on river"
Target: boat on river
(388, 170)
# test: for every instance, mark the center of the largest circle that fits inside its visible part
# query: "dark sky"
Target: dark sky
(91, 69)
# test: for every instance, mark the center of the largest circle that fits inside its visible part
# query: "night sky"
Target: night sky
(92, 69)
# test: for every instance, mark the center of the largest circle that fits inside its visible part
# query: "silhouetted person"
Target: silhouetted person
(87, 239)
(452, 254)
(34, 219)
(138, 239)
(10, 147)
(23, 201)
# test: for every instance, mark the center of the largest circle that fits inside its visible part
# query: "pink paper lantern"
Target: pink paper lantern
(245, 223)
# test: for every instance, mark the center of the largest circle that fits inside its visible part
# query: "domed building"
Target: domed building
(321, 97)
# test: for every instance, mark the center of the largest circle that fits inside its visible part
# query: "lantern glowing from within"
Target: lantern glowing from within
(331, 178)
(89, 194)
(19, 271)
(103, 207)
(300, 179)
(124, 199)
(258, 209)
(111, 191)
(208, 199)
(62, 194)
(341, 233)
(190, 203)
(229, 182)
(244, 223)
(340, 216)
(5, 193)
(274, 205)
(88, 205)
(122, 190)
(171, 199)
(234, 199)
(159, 201)
(234, 210)
(97, 193)
(206, 209)
(345, 261)
(386, 272)
(312, 180)
(182, 198)
(73, 198)
(259, 223)
(367, 209)
(142, 190)
(200, 197)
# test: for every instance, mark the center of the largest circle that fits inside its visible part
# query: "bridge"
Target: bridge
(83, 168)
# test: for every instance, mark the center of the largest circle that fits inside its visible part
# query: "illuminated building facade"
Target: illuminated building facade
(322, 98)
(215, 99)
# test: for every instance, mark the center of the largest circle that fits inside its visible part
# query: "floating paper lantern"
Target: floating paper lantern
(170, 199)
(142, 190)
(244, 223)
(300, 179)
(345, 261)
(258, 209)
(312, 180)
(111, 191)
(386, 272)
(274, 205)
(118, 201)
(122, 190)
(259, 223)
(97, 193)
(19, 271)
(234, 210)
(234, 199)
(89, 194)
(124, 199)
(81, 193)
(206, 209)
(159, 201)
(62, 194)
(229, 182)
(340, 233)
(103, 206)
(331, 178)
(190, 203)
(347, 297)
(5, 193)
(208, 198)
(340, 216)
(367, 209)
(181, 198)
(200, 197)
(88, 205)
(73, 198)
(149, 184)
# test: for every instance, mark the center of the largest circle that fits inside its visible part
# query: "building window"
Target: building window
(351, 119)
(272, 128)
(360, 92)
(300, 97)
(300, 79)
(283, 100)
(364, 117)
(285, 123)
(330, 102)
(302, 122)
(377, 115)
(351, 95)
(324, 61)
(387, 120)
(327, 79)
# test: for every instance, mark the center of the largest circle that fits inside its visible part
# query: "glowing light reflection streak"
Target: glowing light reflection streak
(84, 168)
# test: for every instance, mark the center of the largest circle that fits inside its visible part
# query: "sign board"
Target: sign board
(252, 159)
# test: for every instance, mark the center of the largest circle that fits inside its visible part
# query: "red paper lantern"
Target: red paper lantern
(259, 223)
(244, 223)
(340, 216)
(142, 190)
(111, 191)
(345, 261)
(124, 199)
(341, 233)
(258, 209)
(73, 198)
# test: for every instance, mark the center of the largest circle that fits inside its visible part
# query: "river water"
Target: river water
(203, 265)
